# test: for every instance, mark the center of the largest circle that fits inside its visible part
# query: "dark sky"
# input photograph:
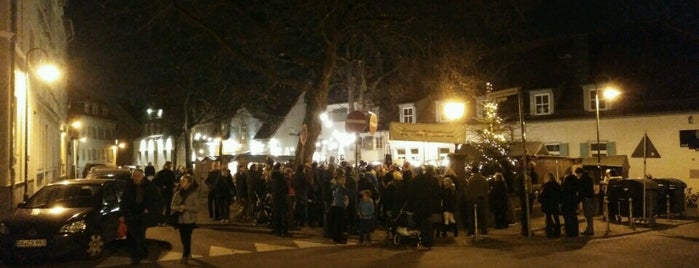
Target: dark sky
(111, 55)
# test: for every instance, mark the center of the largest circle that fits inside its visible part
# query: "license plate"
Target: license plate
(31, 243)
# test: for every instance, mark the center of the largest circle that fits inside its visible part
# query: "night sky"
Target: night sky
(113, 53)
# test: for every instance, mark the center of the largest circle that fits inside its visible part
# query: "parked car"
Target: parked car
(89, 166)
(78, 216)
(109, 173)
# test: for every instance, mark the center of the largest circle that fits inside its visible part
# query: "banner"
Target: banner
(442, 132)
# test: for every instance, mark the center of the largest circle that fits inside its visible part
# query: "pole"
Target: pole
(599, 153)
(475, 222)
(524, 161)
(606, 214)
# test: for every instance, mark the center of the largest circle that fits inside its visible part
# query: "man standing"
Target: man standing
(212, 179)
(140, 207)
(242, 196)
(570, 203)
(165, 181)
(586, 195)
(477, 194)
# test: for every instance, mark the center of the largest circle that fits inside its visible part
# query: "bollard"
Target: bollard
(475, 222)
(606, 213)
(631, 212)
(667, 206)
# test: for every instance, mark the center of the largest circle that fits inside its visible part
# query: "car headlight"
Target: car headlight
(74, 227)
(4, 229)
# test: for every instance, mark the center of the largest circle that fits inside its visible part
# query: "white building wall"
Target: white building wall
(627, 133)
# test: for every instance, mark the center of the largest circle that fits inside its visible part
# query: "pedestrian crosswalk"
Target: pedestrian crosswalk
(258, 247)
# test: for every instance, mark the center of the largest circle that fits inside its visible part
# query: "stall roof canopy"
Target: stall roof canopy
(608, 161)
(535, 148)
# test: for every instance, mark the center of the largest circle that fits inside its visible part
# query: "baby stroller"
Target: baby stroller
(262, 212)
(402, 227)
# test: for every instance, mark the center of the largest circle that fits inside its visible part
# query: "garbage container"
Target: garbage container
(674, 190)
(641, 192)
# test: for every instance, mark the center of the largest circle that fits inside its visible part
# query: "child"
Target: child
(365, 210)
(449, 221)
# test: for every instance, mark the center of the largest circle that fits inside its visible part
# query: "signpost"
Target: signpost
(502, 95)
(356, 122)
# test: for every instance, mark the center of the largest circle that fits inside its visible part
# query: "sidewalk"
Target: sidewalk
(513, 233)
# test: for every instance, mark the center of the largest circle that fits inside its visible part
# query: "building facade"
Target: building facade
(33, 116)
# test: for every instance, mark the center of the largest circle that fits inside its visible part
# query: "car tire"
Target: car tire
(396, 239)
(95, 246)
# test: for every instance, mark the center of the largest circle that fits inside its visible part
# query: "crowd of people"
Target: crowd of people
(353, 200)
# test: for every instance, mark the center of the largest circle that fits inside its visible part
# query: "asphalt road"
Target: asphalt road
(667, 245)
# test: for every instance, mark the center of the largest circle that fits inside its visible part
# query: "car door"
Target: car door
(110, 208)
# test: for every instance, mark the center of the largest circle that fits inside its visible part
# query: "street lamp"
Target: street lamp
(47, 73)
(609, 94)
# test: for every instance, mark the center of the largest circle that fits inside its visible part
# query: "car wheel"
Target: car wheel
(396, 239)
(95, 246)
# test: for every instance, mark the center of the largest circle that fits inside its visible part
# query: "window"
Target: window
(407, 114)
(379, 142)
(594, 147)
(443, 153)
(541, 102)
(415, 154)
(368, 143)
(590, 92)
(400, 154)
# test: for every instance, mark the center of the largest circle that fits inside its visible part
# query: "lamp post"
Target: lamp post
(608, 94)
(47, 73)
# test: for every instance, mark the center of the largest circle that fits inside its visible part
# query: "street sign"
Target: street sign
(645, 149)
(373, 123)
(503, 93)
(356, 122)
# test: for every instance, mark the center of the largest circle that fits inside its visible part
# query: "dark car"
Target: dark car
(66, 217)
(109, 173)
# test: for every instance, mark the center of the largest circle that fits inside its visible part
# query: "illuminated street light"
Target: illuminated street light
(453, 110)
(47, 73)
(609, 94)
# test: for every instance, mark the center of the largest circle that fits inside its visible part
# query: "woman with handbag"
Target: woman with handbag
(184, 205)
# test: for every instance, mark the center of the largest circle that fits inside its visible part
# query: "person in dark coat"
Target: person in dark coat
(301, 189)
(586, 194)
(211, 180)
(224, 194)
(570, 201)
(477, 194)
(498, 201)
(425, 201)
(165, 181)
(149, 171)
(140, 207)
(280, 201)
(550, 199)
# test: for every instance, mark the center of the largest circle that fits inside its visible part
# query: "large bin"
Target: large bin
(642, 192)
(671, 190)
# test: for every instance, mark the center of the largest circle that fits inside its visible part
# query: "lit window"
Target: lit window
(595, 148)
(407, 114)
(541, 102)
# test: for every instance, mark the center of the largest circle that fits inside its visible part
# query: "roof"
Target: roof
(608, 161)
(535, 148)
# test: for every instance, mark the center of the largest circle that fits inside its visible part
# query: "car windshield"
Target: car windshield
(64, 195)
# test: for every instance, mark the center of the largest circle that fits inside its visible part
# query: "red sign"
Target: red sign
(356, 122)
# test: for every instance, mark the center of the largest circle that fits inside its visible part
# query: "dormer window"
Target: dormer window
(589, 93)
(407, 113)
(541, 102)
